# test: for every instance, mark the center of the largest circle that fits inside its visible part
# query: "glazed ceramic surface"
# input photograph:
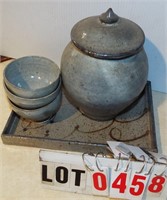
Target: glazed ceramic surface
(108, 36)
(103, 69)
(39, 114)
(32, 76)
(34, 103)
(102, 88)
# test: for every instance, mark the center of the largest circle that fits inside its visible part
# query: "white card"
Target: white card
(100, 181)
(157, 181)
(120, 177)
(139, 179)
(139, 154)
(47, 173)
(99, 174)
(128, 150)
(78, 179)
(62, 175)
(113, 147)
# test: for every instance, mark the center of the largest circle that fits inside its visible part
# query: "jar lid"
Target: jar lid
(108, 36)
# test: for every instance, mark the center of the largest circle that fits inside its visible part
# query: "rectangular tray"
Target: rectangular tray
(70, 130)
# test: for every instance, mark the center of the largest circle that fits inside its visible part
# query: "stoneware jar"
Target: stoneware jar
(104, 67)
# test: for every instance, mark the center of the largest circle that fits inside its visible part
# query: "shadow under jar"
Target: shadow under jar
(104, 67)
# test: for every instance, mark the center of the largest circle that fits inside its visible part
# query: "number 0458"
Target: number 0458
(138, 184)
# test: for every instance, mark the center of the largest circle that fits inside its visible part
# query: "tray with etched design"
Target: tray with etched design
(70, 130)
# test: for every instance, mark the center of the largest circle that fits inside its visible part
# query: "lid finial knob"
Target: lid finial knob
(109, 17)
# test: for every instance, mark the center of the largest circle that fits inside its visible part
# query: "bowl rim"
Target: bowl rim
(32, 99)
(36, 109)
(29, 90)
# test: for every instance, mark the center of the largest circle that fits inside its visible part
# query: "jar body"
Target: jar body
(100, 88)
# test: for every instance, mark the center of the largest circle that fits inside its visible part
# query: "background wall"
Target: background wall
(42, 27)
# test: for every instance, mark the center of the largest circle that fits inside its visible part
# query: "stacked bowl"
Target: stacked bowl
(33, 87)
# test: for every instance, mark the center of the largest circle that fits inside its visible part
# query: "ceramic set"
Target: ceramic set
(104, 69)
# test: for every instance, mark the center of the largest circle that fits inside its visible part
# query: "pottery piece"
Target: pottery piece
(32, 103)
(39, 114)
(32, 76)
(104, 67)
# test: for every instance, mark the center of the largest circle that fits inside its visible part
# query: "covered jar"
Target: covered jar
(104, 67)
